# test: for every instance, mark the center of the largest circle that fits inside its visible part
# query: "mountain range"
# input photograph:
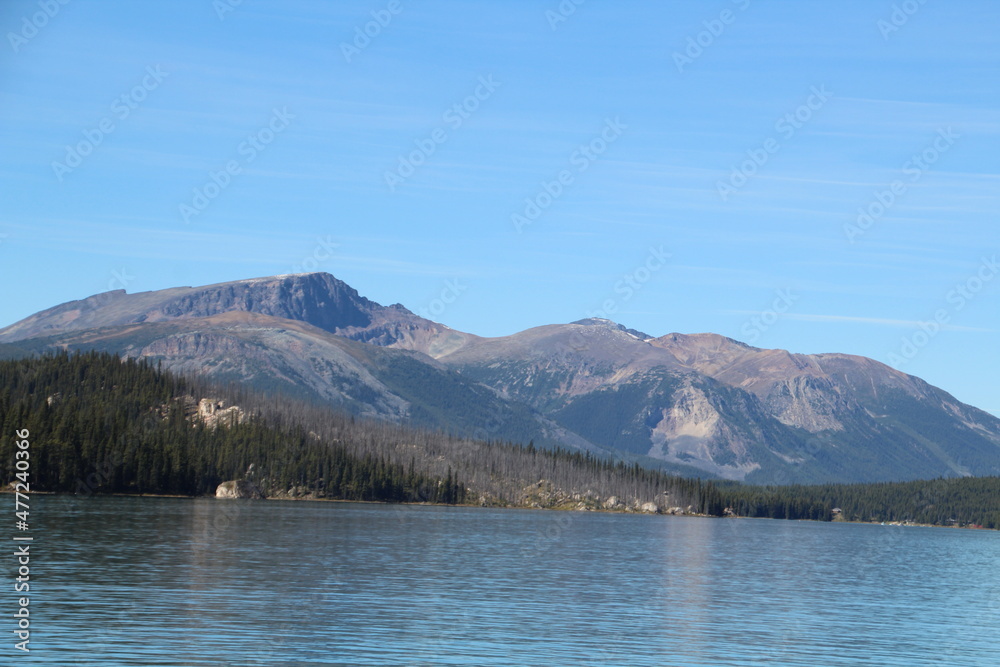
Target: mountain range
(691, 403)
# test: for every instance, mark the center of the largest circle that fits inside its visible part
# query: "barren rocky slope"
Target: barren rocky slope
(698, 402)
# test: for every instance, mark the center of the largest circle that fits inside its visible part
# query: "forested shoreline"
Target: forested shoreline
(104, 425)
(101, 425)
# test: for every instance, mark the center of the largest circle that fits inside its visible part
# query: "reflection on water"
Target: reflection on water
(151, 581)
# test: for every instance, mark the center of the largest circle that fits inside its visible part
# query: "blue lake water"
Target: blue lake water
(156, 581)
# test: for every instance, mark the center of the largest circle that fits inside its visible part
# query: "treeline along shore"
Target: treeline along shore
(103, 425)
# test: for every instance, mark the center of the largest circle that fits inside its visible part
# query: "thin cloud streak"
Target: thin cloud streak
(879, 321)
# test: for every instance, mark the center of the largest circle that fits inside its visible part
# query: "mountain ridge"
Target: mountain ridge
(698, 401)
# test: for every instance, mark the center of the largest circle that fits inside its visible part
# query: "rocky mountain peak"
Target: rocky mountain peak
(318, 298)
(602, 322)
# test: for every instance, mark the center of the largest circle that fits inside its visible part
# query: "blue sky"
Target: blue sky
(678, 166)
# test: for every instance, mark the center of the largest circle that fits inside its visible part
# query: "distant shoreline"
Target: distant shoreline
(895, 524)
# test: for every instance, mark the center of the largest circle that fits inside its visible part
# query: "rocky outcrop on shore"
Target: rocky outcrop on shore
(239, 488)
(543, 494)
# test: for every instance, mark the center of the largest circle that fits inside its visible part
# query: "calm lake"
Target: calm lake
(157, 581)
